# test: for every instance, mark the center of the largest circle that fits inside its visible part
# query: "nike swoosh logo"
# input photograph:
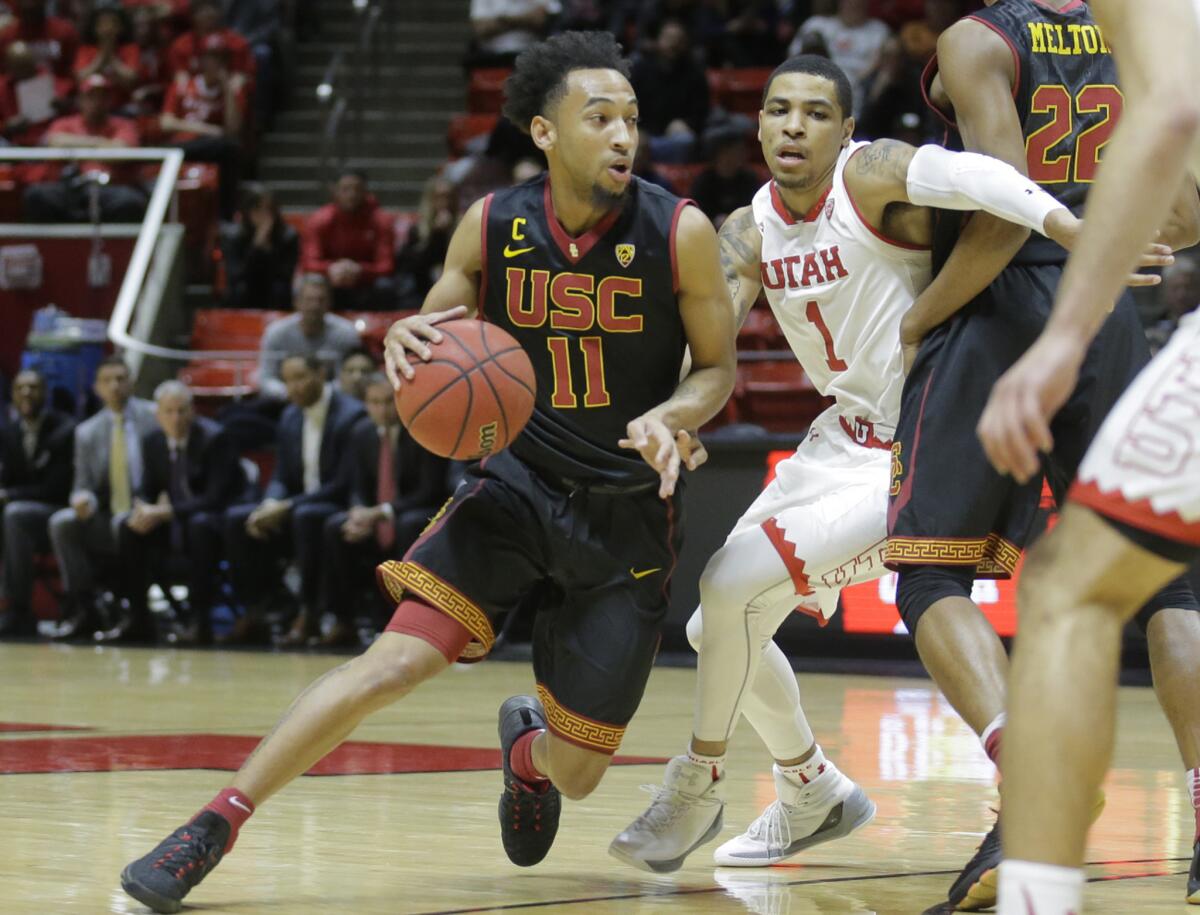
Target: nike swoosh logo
(239, 805)
(509, 252)
(642, 574)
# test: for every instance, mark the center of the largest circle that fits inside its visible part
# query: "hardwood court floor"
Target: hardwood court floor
(421, 836)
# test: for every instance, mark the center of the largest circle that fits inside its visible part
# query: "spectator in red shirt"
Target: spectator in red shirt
(107, 50)
(52, 40)
(352, 242)
(18, 128)
(153, 75)
(121, 198)
(184, 53)
(203, 115)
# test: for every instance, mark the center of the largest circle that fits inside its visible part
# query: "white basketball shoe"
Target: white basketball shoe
(828, 807)
(686, 812)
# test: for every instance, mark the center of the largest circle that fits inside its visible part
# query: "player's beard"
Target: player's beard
(604, 199)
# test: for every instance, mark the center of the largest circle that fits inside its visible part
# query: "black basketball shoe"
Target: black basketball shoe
(162, 878)
(528, 813)
(975, 887)
(1193, 895)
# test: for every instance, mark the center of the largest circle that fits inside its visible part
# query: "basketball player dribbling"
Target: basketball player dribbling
(1132, 522)
(1032, 82)
(604, 280)
(840, 239)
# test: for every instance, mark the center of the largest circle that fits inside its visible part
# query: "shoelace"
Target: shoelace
(668, 805)
(189, 856)
(771, 828)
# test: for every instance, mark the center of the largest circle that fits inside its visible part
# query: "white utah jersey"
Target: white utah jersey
(839, 289)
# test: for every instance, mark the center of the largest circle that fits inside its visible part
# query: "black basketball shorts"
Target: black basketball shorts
(594, 560)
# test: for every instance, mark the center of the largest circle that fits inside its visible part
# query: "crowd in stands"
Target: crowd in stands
(111, 74)
(312, 471)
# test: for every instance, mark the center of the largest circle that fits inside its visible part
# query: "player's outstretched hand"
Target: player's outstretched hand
(1015, 425)
(409, 335)
(1064, 227)
(649, 436)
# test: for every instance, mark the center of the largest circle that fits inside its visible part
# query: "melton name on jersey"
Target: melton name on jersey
(839, 288)
(1067, 99)
(598, 315)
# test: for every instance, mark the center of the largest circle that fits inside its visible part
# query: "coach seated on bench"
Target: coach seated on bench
(35, 478)
(191, 476)
(309, 485)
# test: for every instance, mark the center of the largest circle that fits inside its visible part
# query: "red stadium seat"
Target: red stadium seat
(682, 177)
(761, 331)
(464, 127)
(220, 377)
(485, 90)
(372, 327)
(739, 90)
(777, 395)
(231, 328)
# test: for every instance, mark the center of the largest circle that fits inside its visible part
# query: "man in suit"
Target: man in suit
(108, 471)
(35, 476)
(191, 475)
(395, 487)
(309, 485)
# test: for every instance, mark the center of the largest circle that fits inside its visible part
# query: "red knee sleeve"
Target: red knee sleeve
(420, 620)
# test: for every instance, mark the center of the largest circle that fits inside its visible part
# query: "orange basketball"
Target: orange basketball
(473, 397)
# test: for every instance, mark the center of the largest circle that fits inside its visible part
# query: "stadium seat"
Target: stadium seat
(761, 331)
(372, 327)
(681, 177)
(220, 378)
(226, 329)
(465, 127)
(485, 90)
(777, 395)
(739, 90)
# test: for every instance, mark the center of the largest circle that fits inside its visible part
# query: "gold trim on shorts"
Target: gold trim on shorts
(400, 576)
(992, 556)
(584, 732)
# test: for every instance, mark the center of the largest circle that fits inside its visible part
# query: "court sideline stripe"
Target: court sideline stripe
(698, 891)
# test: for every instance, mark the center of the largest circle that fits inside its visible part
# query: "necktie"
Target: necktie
(177, 487)
(385, 491)
(120, 494)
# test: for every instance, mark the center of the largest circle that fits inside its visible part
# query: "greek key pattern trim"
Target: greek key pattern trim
(589, 734)
(397, 577)
(992, 555)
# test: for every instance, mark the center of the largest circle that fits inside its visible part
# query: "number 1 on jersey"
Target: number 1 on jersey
(813, 313)
(564, 397)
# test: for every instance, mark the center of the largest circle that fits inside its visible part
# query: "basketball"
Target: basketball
(473, 396)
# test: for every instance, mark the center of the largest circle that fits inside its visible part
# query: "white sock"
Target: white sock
(1030, 888)
(715, 764)
(990, 738)
(1193, 780)
(808, 770)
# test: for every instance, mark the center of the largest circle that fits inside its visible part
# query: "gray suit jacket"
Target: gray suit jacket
(93, 438)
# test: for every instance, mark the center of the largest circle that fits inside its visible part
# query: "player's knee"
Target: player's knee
(392, 668)
(723, 591)
(695, 629)
(579, 780)
(920, 587)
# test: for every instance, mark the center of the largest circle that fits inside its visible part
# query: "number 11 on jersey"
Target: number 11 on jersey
(596, 394)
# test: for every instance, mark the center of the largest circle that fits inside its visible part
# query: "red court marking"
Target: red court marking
(12, 726)
(223, 751)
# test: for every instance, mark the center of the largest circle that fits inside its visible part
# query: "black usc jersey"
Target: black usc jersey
(598, 316)
(1067, 99)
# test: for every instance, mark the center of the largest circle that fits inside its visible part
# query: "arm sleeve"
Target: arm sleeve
(970, 181)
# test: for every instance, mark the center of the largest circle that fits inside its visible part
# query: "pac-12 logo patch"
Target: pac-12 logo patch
(625, 254)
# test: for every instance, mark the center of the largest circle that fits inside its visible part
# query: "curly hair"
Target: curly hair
(539, 79)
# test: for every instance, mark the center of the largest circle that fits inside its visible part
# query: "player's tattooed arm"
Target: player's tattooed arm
(740, 244)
